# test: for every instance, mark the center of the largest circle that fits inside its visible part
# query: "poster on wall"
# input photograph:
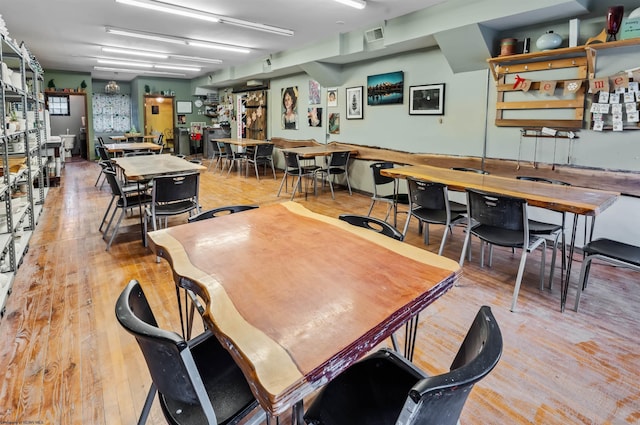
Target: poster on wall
(314, 92)
(290, 108)
(385, 89)
(334, 123)
(354, 103)
(332, 97)
(314, 114)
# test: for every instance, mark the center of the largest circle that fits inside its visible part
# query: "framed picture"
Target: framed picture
(183, 107)
(426, 100)
(385, 89)
(354, 103)
(332, 97)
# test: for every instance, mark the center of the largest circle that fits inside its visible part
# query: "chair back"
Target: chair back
(103, 153)
(217, 212)
(291, 160)
(162, 349)
(175, 188)
(339, 159)
(429, 195)
(264, 151)
(228, 151)
(374, 224)
(100, 141)
(495, 210)
(379, 179)
(114, 184)
(440, 399)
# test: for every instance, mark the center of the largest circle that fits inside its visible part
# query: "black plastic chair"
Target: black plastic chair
(220, 211)
(610, 251)
(217, 154)
(197, 381)
(374, 224)
(338, 165)
(429, 203)
(160, 142)
(261, 155)
(125, 201)
(386, 389)
(502, 220)
(231, 158)
(392, 199)
(172, 195)
(293, 167)
(553, 231)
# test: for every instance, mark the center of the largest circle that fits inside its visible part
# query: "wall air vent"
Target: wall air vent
(374, 34)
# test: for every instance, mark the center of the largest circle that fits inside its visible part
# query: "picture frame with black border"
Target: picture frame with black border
(426, 99)
(354, 102)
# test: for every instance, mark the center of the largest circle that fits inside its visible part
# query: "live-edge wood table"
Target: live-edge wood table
(293, 313)
(572, 199)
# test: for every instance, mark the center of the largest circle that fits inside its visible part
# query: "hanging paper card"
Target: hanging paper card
(603, 97)
(548, 87)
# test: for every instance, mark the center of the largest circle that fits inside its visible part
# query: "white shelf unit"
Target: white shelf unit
(22, 191)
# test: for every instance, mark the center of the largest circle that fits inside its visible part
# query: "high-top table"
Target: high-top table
(572, 199)
(297, 297)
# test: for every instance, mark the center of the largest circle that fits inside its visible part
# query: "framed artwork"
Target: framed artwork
(290, 108)
(314, 114)
(426, 100)
(332, 97)
(314, 92)
(183, 107)
(354, 103)
(334, 123)
(385, 89)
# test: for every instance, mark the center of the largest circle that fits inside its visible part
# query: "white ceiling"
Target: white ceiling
(68, 34)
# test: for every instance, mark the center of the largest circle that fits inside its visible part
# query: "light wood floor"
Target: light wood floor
(66, 360)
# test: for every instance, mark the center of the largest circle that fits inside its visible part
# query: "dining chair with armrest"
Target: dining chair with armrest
(502, 221)
(429, 203)
(338, 165)
(172, 195)
(197, 381)
(392, 199)
(261, 155)
(387, 389)
(553, 231)
(617, 253)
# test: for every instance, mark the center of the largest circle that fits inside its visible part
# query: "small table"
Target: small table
(297, 297)
(573, 199)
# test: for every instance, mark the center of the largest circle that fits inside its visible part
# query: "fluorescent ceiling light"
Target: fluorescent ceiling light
(196, 59)
(358, 4)
(146, 54)
(174, 9)
(137, 71)
(177, 67)
(207, 45)
(125, 63)
(177, 40)
(145, 35)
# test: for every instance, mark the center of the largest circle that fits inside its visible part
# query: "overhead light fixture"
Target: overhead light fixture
(177, 40)
(141, 53)
(112, 88)
(125, 63)
(358, 4)
(172, 9)
(196, 59)
(200, 14)
(208, 45)
(138, 71)
(177, 67)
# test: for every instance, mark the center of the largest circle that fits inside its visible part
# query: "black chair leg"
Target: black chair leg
(147, 405)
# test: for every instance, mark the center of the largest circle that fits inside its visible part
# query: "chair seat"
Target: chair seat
(457, 207)
(226, 386)
(434, 216)
(400, 198)
(175, 208)
(499, 236)
(542, 228)
(614, 249)
(133, 199)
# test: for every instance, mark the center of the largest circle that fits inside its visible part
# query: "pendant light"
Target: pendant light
(112, 88)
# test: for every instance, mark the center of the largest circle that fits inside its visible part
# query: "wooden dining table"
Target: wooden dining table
(116, 148)
(297, 297)
(572, 199)
(319, 150)
(242, 142)
(150, 166)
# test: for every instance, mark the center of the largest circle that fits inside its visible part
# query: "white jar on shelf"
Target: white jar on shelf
(549, 41)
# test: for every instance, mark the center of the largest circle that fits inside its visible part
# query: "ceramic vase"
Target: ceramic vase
(614, 19)
(549, 41)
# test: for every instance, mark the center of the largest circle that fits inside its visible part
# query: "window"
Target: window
(59, 105)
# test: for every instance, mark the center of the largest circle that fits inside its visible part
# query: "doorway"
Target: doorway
(67, 115)
(159, 117)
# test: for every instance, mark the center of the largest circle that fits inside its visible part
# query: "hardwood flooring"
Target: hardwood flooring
(67, 361)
